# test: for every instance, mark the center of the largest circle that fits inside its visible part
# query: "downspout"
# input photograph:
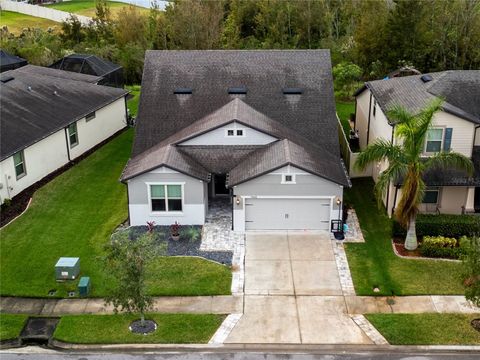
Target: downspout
(128, 203)
(369, 116)
(475, 134)
(388, 189)
(66, 141)
(233, 198)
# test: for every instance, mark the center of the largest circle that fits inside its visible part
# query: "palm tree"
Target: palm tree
(406, 162)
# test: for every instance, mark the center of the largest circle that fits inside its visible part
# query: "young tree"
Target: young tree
(127, 262)
(471, 264)
(346, 77)
(405, 162)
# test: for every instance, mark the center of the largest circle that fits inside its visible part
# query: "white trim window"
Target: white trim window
(288, 179)
(434, 140)
(73, 135)
(19, 164)
(431, 196)
(166, 197)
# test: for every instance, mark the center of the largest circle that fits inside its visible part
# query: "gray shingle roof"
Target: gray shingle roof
(166, 120)
(211, 73)
(168, 156)
(28, 116)
(459, 88)
(61, 74)
(286, 152)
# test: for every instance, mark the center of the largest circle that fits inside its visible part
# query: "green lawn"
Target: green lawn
(74, 215)
(113, 329)
(426, 329)
(11, 325)
(16, 22)
(374, 264)
(87, 7)
(133, 102)
(344, 109)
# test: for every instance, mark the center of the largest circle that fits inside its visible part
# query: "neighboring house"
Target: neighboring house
(455, 128)
(10, 62)
(50, 117)
(111, 74)
(257, 127)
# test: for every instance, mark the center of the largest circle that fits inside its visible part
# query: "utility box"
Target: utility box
(67, 268)
(84, 286)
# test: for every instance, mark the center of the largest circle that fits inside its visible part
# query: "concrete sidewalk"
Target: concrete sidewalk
(174, 304)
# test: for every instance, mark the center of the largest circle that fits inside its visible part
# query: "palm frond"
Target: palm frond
(378, 151)
(450, 160)
(413, 190)
(394, 172)
(400, 115)
(425, 117)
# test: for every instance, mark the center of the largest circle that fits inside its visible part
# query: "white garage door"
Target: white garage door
(287, 214)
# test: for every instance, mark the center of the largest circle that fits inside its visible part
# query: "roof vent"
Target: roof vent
(6, 79)
(183, 91)
(237, 90)
(426, 78)
(29, 88)
(292, 91)
(55, 93)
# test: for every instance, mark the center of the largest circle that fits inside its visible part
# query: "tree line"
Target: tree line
(370, 37)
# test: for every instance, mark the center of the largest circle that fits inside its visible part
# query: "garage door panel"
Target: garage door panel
(287, 214)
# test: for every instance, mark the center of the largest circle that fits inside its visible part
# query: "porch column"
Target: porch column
(470, 203)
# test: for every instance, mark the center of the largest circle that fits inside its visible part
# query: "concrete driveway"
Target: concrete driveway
(293, 293)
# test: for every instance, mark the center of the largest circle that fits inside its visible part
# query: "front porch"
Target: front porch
(217, 231)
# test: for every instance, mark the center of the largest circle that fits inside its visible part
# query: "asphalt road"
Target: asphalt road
(36, 354)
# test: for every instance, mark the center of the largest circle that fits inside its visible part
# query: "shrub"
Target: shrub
(471, 263)
(454, 226)
(441, 247)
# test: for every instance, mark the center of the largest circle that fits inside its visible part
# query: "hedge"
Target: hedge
(454, 226)
(441, 247)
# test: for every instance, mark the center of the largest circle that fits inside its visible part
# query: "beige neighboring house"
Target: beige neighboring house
(455, 128)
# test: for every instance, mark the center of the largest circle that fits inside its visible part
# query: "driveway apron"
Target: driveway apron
(293, 292)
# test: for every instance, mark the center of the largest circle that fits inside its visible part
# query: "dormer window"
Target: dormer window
(240, 132)
(230, 132)
(288, 179)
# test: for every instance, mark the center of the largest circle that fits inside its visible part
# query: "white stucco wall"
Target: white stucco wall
(51, 153)
(41, 159)
(219, 136)
(194, 206)
(306, 185)
(107, 122)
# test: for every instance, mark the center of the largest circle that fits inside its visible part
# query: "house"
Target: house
(10, 62)
(455, 128)
(257, 128)
(49, 118)
(111, 74)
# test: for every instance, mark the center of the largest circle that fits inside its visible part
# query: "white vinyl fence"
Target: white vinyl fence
(40, 11)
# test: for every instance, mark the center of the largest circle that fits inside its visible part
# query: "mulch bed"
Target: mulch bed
(20, 201)
(184, 247)
(476, 324)
(398, 243)
(148, 327)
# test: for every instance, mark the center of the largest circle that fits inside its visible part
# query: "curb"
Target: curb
(270, 348)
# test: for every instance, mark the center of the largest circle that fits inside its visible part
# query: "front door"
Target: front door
(220, 185)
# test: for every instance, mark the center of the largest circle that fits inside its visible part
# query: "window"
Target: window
(166, 198)
(235, 132)
(90, 116)
(288, 179)
(431, 196)
(72, 135)
(19, 163)
(434, 140)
